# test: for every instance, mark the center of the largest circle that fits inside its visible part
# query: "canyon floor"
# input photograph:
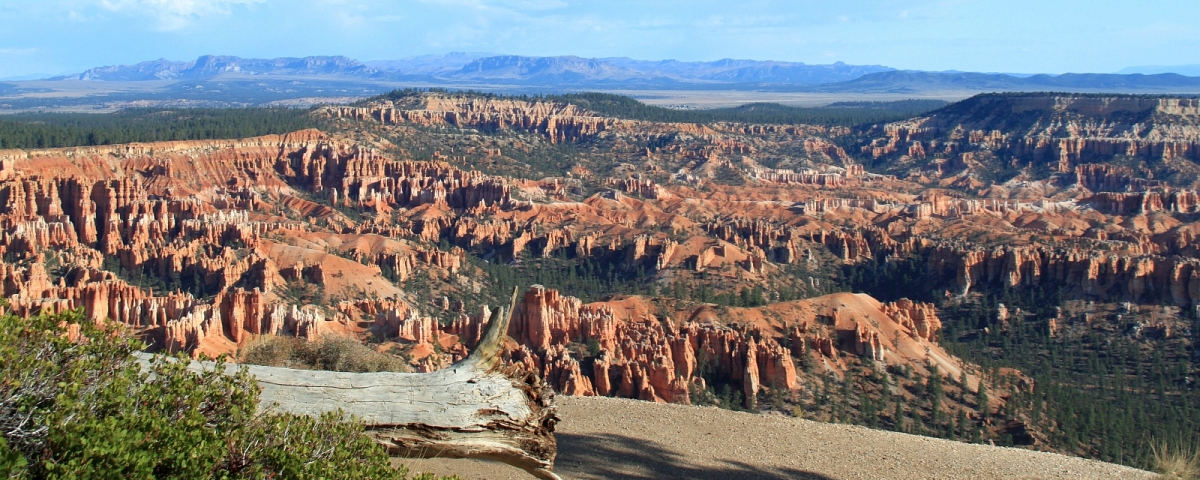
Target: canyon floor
(617, 438)
(1023, 269)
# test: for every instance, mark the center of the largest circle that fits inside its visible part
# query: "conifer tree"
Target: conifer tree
(982, 399)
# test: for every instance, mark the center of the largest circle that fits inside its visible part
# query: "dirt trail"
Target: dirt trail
(616, 438)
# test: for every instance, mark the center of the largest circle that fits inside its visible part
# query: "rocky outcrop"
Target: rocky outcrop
(1101, 177)
(657, 359)
(185, 217)
(558, 122)
(1060, 131)
(919, 318)
(543, 317)
(1099, 274)
(801, 178)
(1178, 201)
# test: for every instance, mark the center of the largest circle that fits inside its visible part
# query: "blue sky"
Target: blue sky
(1053, 36)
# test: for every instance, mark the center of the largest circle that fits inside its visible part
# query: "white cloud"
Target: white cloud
(533, 5)
(174, 14)
(509, 5)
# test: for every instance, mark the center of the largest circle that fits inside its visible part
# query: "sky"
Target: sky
(1019, 36)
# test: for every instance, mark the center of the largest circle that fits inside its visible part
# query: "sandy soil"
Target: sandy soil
(616, 438)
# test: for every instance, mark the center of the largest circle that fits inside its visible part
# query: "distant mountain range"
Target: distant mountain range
(916, 82)
(506, 69)
(571, 72)
(229, 81)
(430, 65)
(570, 69)
(1189, 70)
(210, 66)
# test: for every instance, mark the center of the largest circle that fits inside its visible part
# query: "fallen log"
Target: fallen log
(476, 408)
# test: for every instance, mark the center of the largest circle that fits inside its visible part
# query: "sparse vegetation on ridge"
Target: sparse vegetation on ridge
(620, 106)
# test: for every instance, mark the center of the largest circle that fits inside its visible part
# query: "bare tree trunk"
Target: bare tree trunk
(476, 408)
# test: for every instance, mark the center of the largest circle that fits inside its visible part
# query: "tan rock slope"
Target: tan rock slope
(601, 438)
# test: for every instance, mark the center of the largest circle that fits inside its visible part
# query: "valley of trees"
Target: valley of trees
(1102, 390)
(55, 130)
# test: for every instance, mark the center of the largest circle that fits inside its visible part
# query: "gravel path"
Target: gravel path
(617, 438)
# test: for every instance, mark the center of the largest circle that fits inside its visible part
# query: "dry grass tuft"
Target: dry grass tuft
(1176, 462)
(269, 350)
(332, 352)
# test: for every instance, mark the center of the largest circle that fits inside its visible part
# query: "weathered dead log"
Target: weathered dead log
(476, 408)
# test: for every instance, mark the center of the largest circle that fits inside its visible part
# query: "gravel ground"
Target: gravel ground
(617, 438)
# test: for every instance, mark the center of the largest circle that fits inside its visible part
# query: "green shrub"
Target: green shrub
(294, 446)
(593, 347)
(10, 460)
(82, 407)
